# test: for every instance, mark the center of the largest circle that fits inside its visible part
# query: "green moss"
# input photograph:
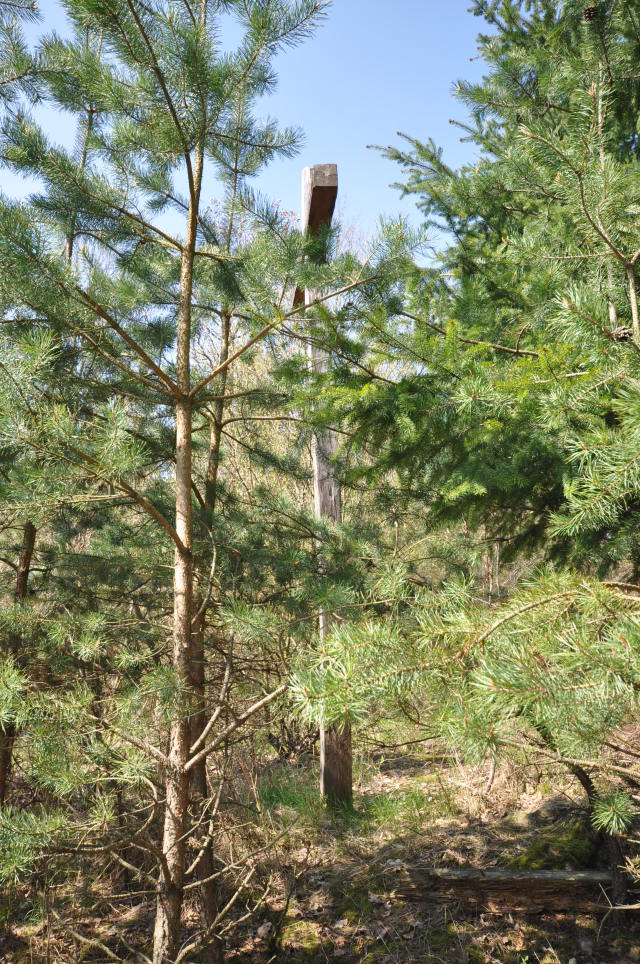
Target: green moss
(352, 916)
(302, 936)
(567, 842)
(352, 901)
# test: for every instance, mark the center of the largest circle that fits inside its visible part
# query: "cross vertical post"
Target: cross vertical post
(319, 192)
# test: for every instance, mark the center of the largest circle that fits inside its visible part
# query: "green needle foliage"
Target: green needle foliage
(154, 440)
(498, 404)
(162, 568)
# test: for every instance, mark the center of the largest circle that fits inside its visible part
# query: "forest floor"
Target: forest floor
(347, 887)
(353, 899)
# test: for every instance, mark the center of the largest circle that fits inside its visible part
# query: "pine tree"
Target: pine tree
(159, 99)
(140, 422)
(501, 399)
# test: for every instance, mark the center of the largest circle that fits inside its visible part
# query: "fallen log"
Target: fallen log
(502, 888)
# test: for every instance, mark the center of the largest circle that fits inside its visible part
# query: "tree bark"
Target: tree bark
(213, 953)
(613, 314)
(500, 889)
(7, 739)
(209, 904)
(336, 764)
(215, 437)
(633, 299)
(171, 878)
(8, 735)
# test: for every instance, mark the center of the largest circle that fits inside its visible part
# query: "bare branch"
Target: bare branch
(232, 727)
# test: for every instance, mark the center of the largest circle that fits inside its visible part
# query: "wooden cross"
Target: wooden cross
(319, 192)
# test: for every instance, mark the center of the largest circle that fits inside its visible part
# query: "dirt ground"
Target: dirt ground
(350, 887)
(358, 898)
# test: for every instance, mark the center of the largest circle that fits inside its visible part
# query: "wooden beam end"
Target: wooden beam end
(319, 193)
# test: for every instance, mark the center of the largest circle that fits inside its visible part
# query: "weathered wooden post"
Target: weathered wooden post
(319, 192)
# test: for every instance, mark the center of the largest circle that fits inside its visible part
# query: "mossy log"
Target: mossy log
(502, 888)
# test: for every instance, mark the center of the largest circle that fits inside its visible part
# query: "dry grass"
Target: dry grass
(334, 889)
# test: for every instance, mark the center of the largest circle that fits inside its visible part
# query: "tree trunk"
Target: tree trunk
(613, 314)
(501, 889)
(209, 904)
(633, 300)
(8, 734)
(336, 764)
(199, 717)
(198, 792)
(24, 562)
(215, 438)
(169, 901)
(171, 879)
(7, 738)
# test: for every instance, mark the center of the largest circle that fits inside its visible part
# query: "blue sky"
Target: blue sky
(375, 67)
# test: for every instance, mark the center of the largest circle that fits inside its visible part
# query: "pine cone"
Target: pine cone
(590, 13)
(621, 333)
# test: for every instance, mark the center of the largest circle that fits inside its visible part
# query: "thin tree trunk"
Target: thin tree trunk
(24, 563)
(199, 716)
(169, 902)
(613, 314)
(198, 775)
(215, 438)
(336, 764)
(214, 953)
(199, 792)
(171, 879)
(7, 739)
(8, 734)
(633, 298)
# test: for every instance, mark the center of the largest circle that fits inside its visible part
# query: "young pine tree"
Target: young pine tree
(109, 275)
